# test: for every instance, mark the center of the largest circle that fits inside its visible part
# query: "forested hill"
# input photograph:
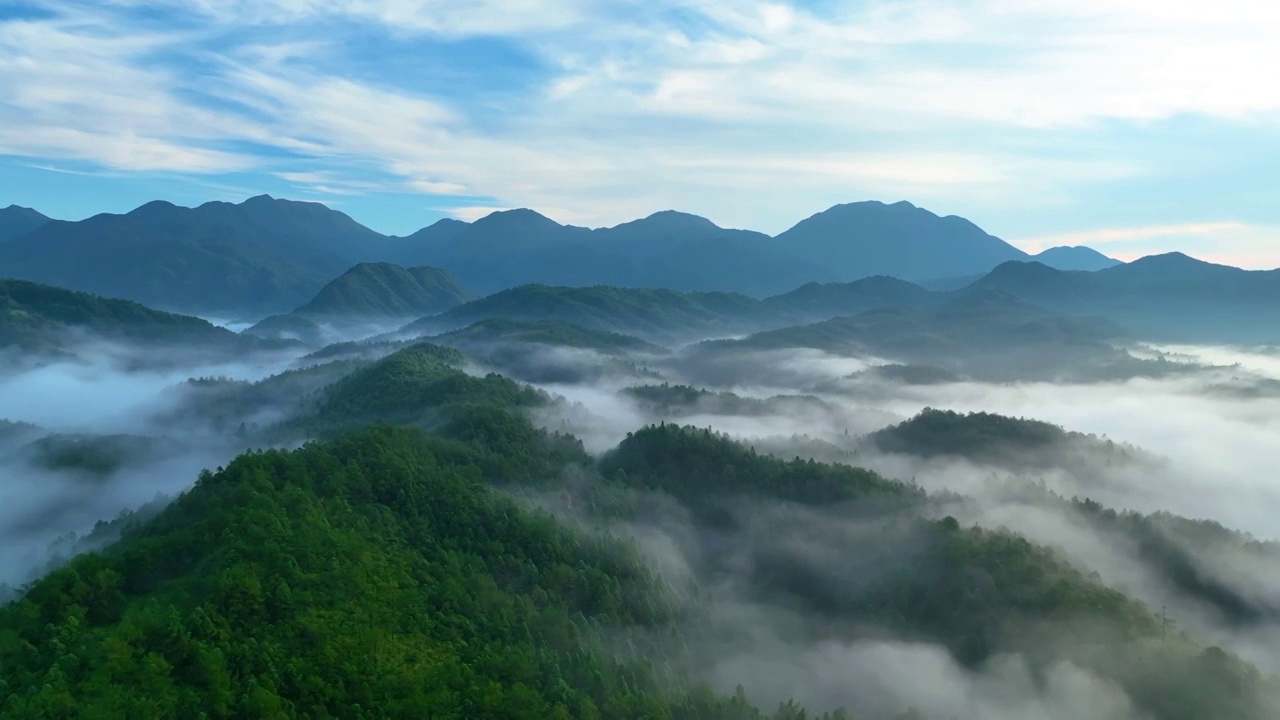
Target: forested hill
(384, 290)
(35, 317)
(293, 585)
(996, 439)
(494, 332)
(651, 314)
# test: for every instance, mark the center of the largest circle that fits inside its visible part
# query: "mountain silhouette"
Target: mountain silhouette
(16, 221)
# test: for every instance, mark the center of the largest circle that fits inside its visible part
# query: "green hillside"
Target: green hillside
(38, 317)
(384, 290)
(682, 400)
(371, 576)
(865, 555)
(556, 333)
(997, 439)
(380, 574)
(419, 385)
(648, 313)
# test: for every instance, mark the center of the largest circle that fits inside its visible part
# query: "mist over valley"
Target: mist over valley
(1013, 498)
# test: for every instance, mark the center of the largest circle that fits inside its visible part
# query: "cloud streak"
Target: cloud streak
(610, 110)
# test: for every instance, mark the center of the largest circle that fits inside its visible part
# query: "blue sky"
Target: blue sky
(1134, 126)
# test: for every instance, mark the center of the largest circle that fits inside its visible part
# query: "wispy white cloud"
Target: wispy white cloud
(472, 17)
(677, 103)
(471, 213)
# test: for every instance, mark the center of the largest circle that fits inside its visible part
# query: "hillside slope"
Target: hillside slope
(44, 319)
(16, 221)
(384, 290)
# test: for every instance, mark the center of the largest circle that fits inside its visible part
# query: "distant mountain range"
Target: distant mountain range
(1169, 297)
(16, 221)
(982, 333)
(267, 255)
(259, 256)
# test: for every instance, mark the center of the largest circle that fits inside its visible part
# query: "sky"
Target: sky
(1132, 126)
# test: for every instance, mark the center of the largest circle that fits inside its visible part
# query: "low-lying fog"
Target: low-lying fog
(1214, 432)
(1212, 438)
(49, 489)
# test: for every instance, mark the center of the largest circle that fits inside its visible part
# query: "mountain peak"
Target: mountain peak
(678, 218)
(1174, 265)
(900, 239)
(153, 207)
(16, 221)
(1077, 257)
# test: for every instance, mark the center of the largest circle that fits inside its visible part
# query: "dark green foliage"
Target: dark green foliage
(699, 466)
(1201, 558)
(289, 326)
(644, 312)
(863, 554)
(367, 349)
(998, 439)
(419, 385)
(41, 317)
(370, 576)
(556, 333)
(384, 290)
(677, 400)
(909, 374)
(241, 408)
(98, 455)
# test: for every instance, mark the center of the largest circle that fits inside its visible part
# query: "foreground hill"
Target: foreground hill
(1162, 297)
(16, 221)
(43, 319)
(260, 255)
(380, 574)
(266, 591)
